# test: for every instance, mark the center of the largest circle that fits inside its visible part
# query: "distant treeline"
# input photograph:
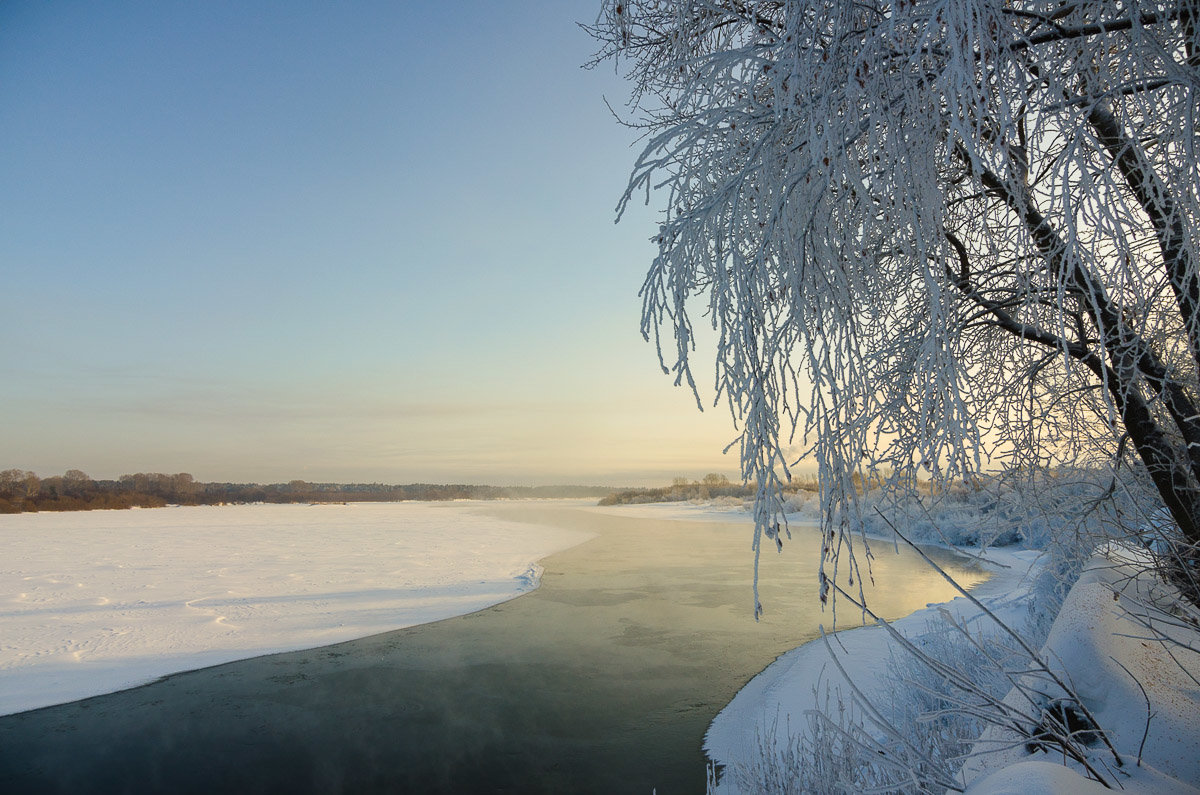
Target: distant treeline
(681, 489)
(710, 487)
(74, 491)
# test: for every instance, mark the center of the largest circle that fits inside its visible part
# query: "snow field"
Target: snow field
(98, 601)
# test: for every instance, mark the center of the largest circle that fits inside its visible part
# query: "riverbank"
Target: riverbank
(1123, 638)
(766, 715)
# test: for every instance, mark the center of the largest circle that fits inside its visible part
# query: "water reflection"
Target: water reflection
(603, 680)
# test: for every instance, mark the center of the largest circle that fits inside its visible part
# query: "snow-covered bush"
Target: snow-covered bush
(825, 755)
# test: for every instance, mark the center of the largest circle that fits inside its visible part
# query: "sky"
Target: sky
(338, 242)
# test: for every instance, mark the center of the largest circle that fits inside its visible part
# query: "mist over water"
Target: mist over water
(602, 680)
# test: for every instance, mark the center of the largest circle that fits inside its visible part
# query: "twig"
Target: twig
(1149, 714)
(1034, 656)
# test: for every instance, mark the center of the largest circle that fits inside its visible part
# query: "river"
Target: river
(604, 679)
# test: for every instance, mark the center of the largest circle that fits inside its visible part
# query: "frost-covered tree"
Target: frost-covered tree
(928, 234)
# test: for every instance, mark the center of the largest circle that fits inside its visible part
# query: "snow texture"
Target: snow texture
(98, 601)
(1102, 642)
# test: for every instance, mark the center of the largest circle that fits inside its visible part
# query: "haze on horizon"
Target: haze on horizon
(258, 242)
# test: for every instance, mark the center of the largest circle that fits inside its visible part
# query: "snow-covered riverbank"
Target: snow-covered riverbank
(775, 701)
(1127, 646)
(100, 601)
(1141, 685)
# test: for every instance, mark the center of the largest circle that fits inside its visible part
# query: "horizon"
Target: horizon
(379, 242)
(376, 482)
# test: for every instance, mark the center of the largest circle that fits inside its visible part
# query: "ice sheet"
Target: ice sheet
(97, 601)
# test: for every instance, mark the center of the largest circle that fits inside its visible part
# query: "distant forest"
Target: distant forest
(712, 486)
(22, 491)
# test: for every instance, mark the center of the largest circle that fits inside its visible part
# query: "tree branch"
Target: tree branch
(1130, 358)
(1160, 206)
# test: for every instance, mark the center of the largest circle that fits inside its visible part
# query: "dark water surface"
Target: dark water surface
(603, 680)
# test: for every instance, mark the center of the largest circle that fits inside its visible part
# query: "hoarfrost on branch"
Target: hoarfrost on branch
(931, 236)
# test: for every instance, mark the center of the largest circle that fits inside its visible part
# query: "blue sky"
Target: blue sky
(369, 241)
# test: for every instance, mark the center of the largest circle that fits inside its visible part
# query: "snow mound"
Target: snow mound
(1126, 643)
